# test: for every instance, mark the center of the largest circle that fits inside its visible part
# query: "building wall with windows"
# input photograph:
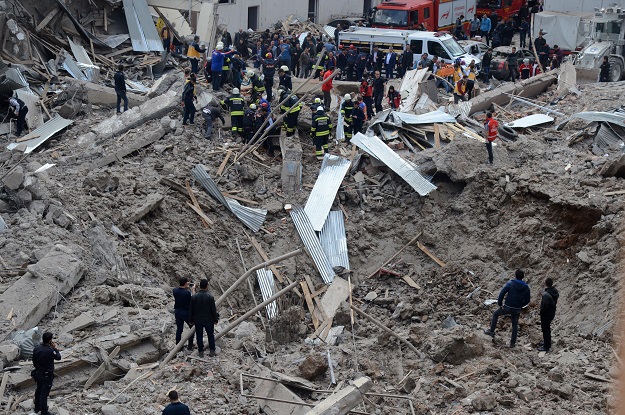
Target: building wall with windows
(264, 14)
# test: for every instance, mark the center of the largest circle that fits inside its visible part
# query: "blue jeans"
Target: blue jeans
(514, 316)
(389, 71)
(199, 334)
(181, 318)
(216, 80)
(486, 74)
(195, 67)
(122, 96)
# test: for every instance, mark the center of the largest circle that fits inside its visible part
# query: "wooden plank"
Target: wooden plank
(408, 279)
(394, 256)
(264, 256)
(199, 212)
(430, 254)
(106, 20)
(222, 166)
(309, 303)
(596, 377)
(26, 138)
(101, 368)
(319, 292)
(47, 19)
(119, 52)
(196, 204)
(437, 137)
(240, 199)
(614, 193)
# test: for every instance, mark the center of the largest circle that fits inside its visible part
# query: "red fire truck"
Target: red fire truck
(434, 14)
(504, 8)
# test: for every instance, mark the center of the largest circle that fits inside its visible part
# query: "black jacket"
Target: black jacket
(43, 359)
(182, 299)
(203, 309)
(120, 82)
(549, 301)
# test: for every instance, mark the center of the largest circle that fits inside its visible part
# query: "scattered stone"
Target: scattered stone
(9, 353)
(109, 410)
(82, 321)
(152, 201)
(562, 390)
(245, 330)
(372, 295)
(313, 366)
(524, 393)
(483, 401)
(14, 180)
(449, 322)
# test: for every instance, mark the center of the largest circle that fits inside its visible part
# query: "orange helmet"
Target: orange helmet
(269, 55)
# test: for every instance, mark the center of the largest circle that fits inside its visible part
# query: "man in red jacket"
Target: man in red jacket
(491, 129)
(326, 88)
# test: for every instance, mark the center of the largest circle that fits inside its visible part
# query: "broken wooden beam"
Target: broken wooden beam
(104, 366)
(396, 254)
(196, 206)
(345, 400)
(152, 201)
(430, 254)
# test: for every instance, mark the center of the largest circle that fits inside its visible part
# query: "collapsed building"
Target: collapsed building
(360, 284)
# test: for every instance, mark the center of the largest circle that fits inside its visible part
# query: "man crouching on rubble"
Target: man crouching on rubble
(517, 296)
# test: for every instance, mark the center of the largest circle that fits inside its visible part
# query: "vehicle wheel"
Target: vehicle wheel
(616, 70)
(507, 132)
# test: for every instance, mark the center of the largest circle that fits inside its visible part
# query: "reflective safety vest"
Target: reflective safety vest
(471, 75)
(460, 88)
(236, 105)
(321, 125)
(457, 75)
(192, 52)
(226, 66)
(346, 109)
(492, 128)
(290, 107)
(258, 84)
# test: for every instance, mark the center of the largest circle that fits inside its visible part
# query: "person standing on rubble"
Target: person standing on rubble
(248, 123)
(236, 105)
(366, 90)
(195, 53)
(175, 407)
(378, 90)
(548, 305)
(327, 88)
(166, 37)
(217, 65)
(460, 90)
(269, 70)
(210, 114)
(18, 109)
(182, 303)
(120, 88)
(320, 128)
(512, 63)
(203, 313)
(292, 109)
(491, 129)
(347, 108)
(44, 356)
(517, 295)
(284, 78)
(358, 116)
(604, 70)
(188, 96)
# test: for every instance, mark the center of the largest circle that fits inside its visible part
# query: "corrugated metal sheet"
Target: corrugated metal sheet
(69, 64)
(308, 236)
(428, 118)
(375, 147)
(267, 288)
(606, 138)
(333, 170)
(530, 121)
(333, 239)
(141, 27)
(113, 41)
(461, 108)
(79, 53)
(251, 217)
(599, 116)
(176, 20)
(43, 133)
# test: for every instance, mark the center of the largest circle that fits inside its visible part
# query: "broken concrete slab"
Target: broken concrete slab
(14, 179)
(291, 165)
(103, 95)
(150, 137)
(337, 292)
(82, 321)
(152, 201)
(31, 297)
(276, 390)
(526, 88)
(345, 400)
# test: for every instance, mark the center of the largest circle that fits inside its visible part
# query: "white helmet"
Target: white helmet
(317, 100)
(284, 68)
(252, 106)
(235, 91)
(250, 72)
(219, 46)
(348, 97)
(319, 108)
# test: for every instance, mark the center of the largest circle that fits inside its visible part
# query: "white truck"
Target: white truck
(439, 44)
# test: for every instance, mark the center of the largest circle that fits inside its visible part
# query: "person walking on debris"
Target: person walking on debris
(378, 90)
(44, 356)
(204, 315)
(175, 407)
(248, 123)
(517, 296)
(512, 63)
(18, 109)
(327, 88)
(194, 53)
(120, 88)
(284, 78)
(236, 104)
(548, 305)
(320, 128)
(269, 70)
(491, 129)
(347, 108)
(217, 65)
(188, 96)
(210, 114)
(604, 70)
(182, 303)
(460, 90)
(358, 116)
(292, 109)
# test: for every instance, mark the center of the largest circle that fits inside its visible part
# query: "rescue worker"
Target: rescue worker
(237, 70)
(366, 90)
(44, 356)
(194, 53)
(17, 109)
(269, 70)
(188, 96)
(358, 116)
(525, 69)
(258, 88)
(320, 128)
(351, 62)
(217, 65)
(491, 129)
(210, 114)
(292, 108)
(166, 37)
(471, 77)
(314, 106)
(248, 123)
(460, 90)
(236, 104)
(327, 88)
(226, 75)
(318, 68)
(347, 108)
(284, 78)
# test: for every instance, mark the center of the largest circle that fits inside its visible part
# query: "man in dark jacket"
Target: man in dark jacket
(547, 313)
(210, 114)
(175, 407)
(269, 70)
(188, 96)
(378, 90)
(120, 88)
(17, 109)
(517, 296)
(44, 356)
(512, 62)
(182, 303)
(604, 73)
(486, 60)
(204, 315)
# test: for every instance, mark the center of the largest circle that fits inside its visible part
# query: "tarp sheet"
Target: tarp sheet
(565, 29)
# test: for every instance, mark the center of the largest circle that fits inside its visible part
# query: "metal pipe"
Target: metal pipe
(559, 114)
(186, 336)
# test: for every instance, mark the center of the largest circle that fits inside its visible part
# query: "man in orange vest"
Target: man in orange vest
(491, 128)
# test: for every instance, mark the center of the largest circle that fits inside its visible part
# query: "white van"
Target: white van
(440, 44)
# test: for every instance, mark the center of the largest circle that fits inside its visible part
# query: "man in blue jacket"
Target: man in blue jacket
(217, 64)
(389, 62)
(485, 28)
(517, 296)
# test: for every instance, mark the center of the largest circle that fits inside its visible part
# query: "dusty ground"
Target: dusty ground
(526, 211)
